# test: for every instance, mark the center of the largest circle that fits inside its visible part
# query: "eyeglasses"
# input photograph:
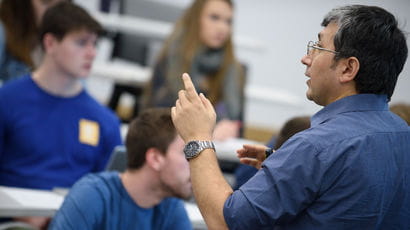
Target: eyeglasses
(314, 45)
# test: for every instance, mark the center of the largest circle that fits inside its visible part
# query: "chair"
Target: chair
(118, 159)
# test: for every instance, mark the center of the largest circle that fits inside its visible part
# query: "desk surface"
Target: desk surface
(28, 202)
(32, 202)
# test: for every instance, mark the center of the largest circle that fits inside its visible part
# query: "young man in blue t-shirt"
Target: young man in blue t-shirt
(139, 198)
(52, 132)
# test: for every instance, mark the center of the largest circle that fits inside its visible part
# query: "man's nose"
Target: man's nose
(306, 60)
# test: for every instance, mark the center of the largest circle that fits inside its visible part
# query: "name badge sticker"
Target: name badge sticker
(89, 132)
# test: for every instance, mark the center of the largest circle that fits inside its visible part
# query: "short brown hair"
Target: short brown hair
(153, 128)
(291, 127)
(66, 17)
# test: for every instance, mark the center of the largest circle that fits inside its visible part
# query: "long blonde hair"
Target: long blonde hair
(187, 31)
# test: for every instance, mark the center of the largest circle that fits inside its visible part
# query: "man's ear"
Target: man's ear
(350, 67)
(49, 41)
(155, 159)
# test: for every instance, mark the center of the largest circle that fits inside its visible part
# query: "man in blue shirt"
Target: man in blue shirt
(141, 197)
(52, 132)
(350, 170)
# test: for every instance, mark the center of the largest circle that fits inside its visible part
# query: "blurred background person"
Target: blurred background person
(20, 51)
(201, 44)
(402, 110)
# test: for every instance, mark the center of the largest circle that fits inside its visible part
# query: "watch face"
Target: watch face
(191, 149)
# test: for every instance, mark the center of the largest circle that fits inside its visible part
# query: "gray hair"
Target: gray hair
(370, 34)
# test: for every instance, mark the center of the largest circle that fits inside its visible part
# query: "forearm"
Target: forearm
(210, 188)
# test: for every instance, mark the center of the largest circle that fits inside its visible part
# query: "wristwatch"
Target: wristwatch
(268, 152)
(193, 148)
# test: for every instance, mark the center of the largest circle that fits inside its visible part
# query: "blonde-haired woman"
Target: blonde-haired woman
(201, 45)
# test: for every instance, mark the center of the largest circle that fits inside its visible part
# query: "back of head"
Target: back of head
(370, 34)
(66, 17)
(153, 128)
(402, 110)
(291, 127)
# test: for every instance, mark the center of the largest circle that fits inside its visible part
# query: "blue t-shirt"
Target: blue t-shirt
(100, 201)
(350, 170)
(48, 141)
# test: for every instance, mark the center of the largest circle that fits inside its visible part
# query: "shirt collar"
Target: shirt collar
(354, 103)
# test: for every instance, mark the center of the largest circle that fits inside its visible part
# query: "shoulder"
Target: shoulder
(90, 191)
(97, 179)
(93, 187)
(16, 86)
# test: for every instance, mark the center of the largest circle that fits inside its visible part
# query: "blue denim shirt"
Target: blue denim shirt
(350, 170)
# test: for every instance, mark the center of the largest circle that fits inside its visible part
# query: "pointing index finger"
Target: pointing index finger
(189, 86)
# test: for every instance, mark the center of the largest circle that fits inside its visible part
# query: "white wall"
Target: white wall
(285, 27)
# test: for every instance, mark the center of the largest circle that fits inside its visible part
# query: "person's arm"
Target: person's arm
(194, 119)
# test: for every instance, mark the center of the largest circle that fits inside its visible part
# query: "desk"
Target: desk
(16, 202)
(28, 202)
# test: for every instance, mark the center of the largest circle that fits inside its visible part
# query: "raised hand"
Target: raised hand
(193, 115)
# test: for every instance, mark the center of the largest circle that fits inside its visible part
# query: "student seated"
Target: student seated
(141, 197)
(201, 44)
(52, 132)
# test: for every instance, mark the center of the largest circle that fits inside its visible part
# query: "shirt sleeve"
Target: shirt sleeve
(286, 185)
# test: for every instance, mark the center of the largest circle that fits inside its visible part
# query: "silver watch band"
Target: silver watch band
(207, 145)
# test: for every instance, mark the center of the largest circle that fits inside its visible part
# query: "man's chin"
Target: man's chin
(308, 96)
